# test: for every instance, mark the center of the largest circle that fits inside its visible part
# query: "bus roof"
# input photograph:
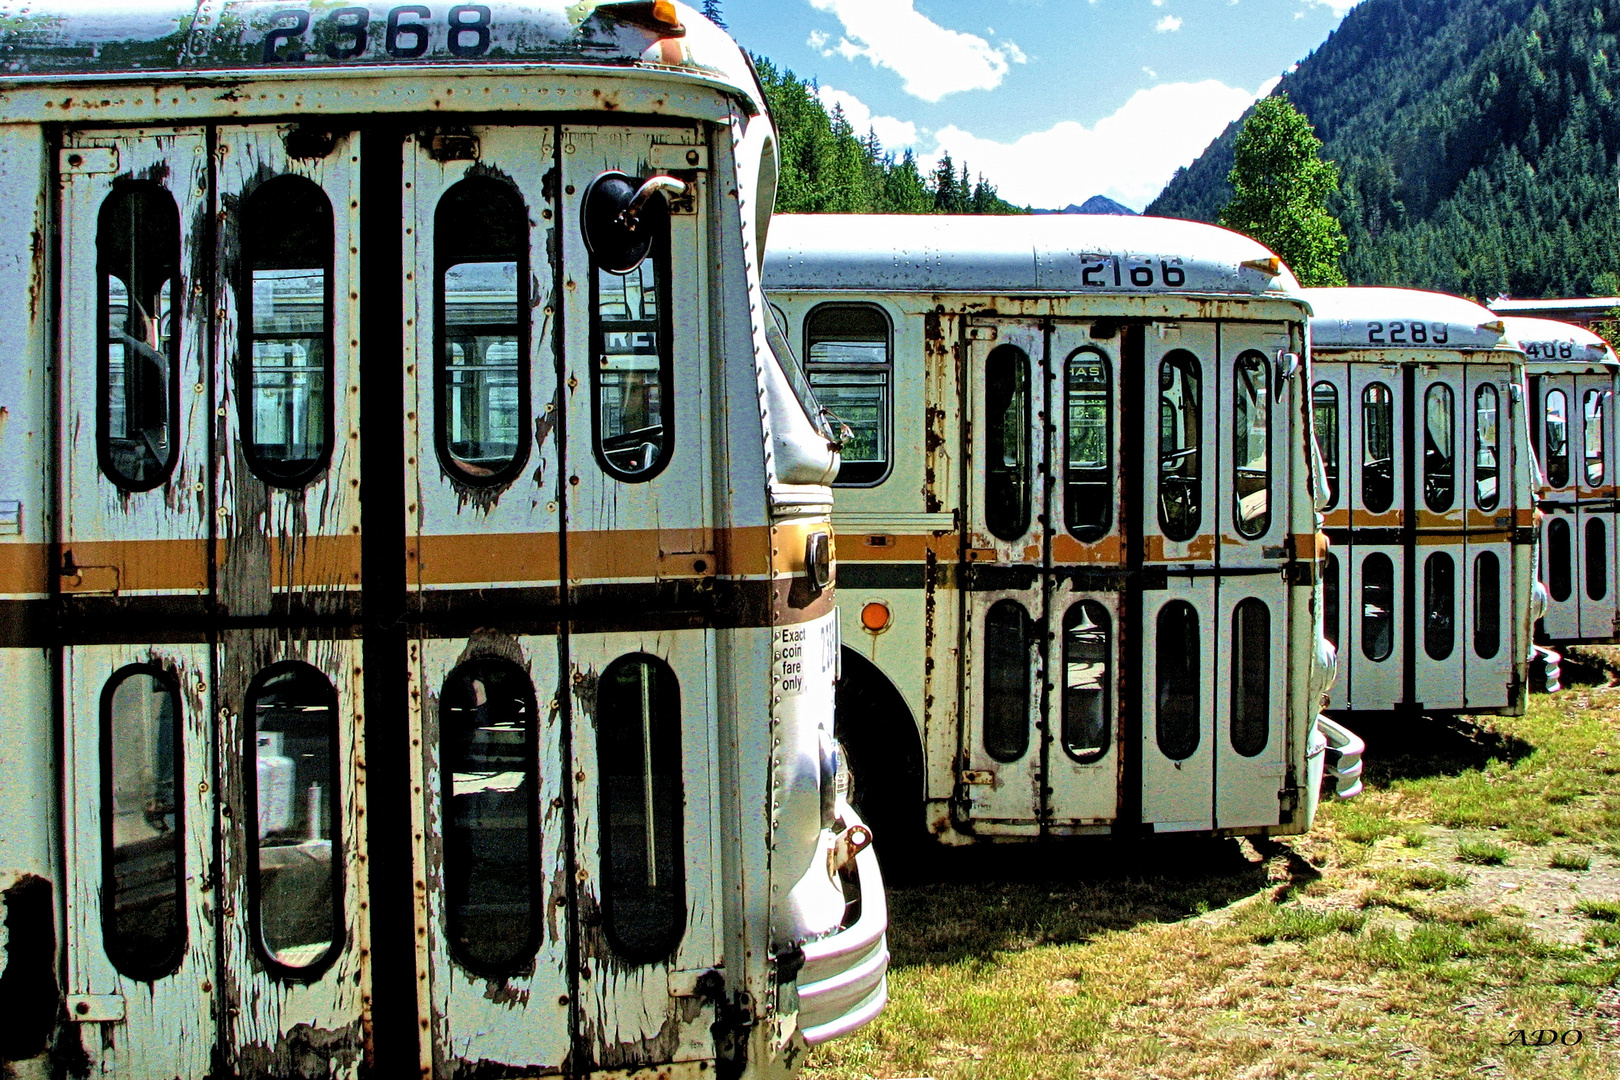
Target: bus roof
(91, 40)
(1541, 340)
(1366, 318)
(998, 255)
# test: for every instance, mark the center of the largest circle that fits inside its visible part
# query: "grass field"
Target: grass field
(1472, 892)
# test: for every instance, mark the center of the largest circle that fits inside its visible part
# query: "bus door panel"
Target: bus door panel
(1083, 760)
(135, 412)
(1488, 635)
(1258, 412)
(1488, 457)
(1251, 732)
(1556, 430)
(293, 870)
(1439, 649)
(1591, 461)
(139, 843)
(493, 852)
(1374, 604)
(645, 827)
(1440, 441)
(637, 384)
(483, 461)
(1180, 519)
(288, 372)
(1334, 416)
(1005, 576)
(1178, 704)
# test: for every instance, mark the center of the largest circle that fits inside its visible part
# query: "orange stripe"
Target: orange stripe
(896, 547)
(461, 559)
(1067, 550)
(1363, 519)
(24, 568)
(137, 566)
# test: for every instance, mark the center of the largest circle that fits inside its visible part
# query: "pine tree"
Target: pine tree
(711, 11)
(1280, 188)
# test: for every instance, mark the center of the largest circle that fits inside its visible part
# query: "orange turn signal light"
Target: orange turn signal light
(875, 616)
(658, 16)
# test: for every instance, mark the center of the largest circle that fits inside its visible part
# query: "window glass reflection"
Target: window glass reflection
(1439, 605)
(1087, 681)
(1556, 438)
(1377, 448)
(1439, 448)
(1487, 448)
(1088, 464)
(849, 366)
(1592, 429)
(1325, 411)
(1251, 443)
(1007, 461)
(1006, 681)
(1181, 430)
(1377, 607)
(1179, 649)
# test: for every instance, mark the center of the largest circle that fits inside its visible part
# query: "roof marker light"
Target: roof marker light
(1271, 267)
(658, 16)
(1495, 326)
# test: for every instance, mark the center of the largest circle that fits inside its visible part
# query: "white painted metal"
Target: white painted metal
(1178, 795)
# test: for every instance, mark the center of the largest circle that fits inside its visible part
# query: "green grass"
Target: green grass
(1424, 877)
(1482, 853)
(1570, 860)
(1602, 910)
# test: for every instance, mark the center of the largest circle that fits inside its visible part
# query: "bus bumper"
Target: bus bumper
(1341, 766)
(844, 982)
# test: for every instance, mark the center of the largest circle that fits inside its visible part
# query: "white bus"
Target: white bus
(1078, 549)
(416, 585)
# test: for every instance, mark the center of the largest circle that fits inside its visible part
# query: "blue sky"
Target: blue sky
(1052, 100)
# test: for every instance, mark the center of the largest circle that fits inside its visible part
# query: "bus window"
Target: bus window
(285, 365)
(1556, 440)
(1325, 409)
(138, 260)
(1597, 559)
(1088, 477)
(1439, 448)
(488, 755)
(851, 365)
(1592, 428)
(1181, 427)
(1487, 448)
(481, 240)
(1251, 677)
(1377, 448)
(632, 380)
(1087, 674)
(1439, 605)
(1487, 605)
(1377, 607)
(1006, 442)
(143, 913)
(1558, 559)
(1177, 693)
(1330, 599)
(290, 754)
(638, 739)
(1006, 681)
(1251, 443)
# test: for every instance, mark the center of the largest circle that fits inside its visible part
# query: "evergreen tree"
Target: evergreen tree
(1280, 186)
(711, 11)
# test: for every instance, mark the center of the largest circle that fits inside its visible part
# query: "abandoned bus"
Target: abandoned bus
(1571, 375)
(1418, 407)
(1078, 544)
(419, 633)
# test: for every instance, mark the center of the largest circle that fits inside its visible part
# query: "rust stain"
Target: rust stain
(1366, 519)
(1108, 551)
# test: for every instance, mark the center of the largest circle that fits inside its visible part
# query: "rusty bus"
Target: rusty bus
(1571, 374)
(1418, 403)
(470, 718)
(1079, 556)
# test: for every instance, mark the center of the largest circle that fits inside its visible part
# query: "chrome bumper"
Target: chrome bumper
(1342, 759)
(844, 981)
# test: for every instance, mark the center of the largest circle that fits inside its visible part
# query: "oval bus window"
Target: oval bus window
(1597, 559)
(138, 266)
(1592, 436)
(638, 741)
(1377, 448)
(481, 254)
(1556, 439)
(1325, 411)
(1006, 681)
(1179, 650)
(488, 752)
(1487, 448)
(1181, 430)
(1487, 605)
(143, 822)
(1006, 442)
(285, 365)
(1087, 678)
(1559, 570)
(1439, 448)
(1377, 607)
(1251, 677)
(1439, 605)
(290, 762)
(1251, 444)
(1088, 474)
(1330, 599)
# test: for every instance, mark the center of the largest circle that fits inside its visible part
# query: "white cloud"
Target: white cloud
(1338, 7)
(1128, 156)
(931, 60)
(894, 134)
(1168, 25)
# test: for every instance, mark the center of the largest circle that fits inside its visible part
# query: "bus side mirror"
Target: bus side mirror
(620, 219)
(1287, 365)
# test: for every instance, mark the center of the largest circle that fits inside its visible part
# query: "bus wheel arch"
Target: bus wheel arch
(879, 737)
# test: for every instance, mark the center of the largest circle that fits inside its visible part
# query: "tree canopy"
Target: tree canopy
(1280, 186)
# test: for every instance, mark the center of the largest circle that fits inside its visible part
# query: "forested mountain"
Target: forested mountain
(829, 168)
(1477, 140)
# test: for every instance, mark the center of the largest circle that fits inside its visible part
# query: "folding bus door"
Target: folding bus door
(1591, 463)
(1086, 597)
(1004, 650)
(1440, 397)
(1333, 415)
(1373, 574)
(1557, 426)
(1487, 463)
(1179, 519)
(1259, 434)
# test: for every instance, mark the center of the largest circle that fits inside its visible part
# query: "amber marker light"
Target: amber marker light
(875, 616)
